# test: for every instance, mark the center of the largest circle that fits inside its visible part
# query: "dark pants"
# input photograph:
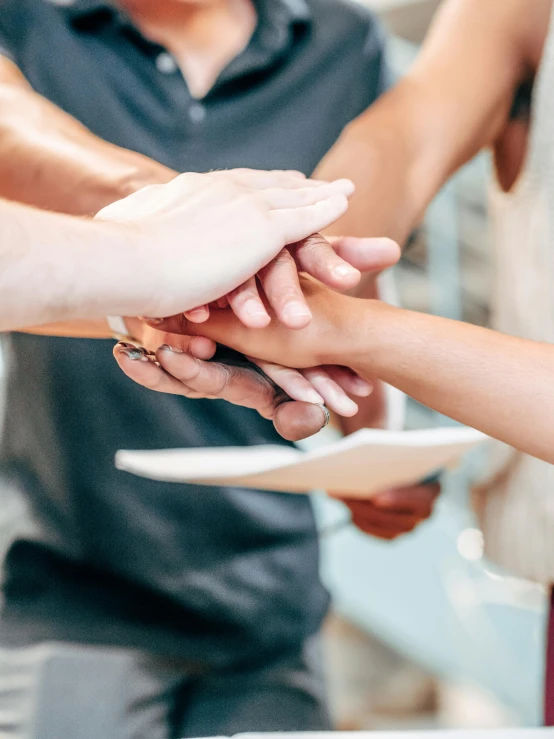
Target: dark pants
(62, 691)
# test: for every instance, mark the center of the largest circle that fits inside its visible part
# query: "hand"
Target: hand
(171, 369)
(201, 236)
(182, 373)
(328, 385)
(336, 262)
(334, 326)
(394, 512)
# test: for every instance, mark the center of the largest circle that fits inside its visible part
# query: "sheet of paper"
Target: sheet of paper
(361, 464)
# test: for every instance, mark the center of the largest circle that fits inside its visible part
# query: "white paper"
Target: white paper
(361, 464)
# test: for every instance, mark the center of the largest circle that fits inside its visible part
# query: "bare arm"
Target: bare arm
(49, 265)
(454, 101)
(55, 267)
(499, 384)
(49, 160)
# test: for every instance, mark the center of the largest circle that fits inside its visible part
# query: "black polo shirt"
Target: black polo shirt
(93, 554)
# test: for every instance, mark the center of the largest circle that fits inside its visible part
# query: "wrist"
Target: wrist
(118, 182)
(361, 335)
(103, 264)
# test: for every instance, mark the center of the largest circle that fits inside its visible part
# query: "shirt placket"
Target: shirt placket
(167, 65)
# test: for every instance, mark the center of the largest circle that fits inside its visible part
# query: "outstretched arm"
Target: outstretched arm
(499, 384)
(455, 100)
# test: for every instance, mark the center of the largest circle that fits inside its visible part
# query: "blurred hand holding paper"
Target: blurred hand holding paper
(362, 464)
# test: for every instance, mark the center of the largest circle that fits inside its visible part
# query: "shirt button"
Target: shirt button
(165, 63)
(197, 112)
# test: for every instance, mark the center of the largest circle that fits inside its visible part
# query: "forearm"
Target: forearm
(502, 385)
(49, 160)
(76, 329)
(380, 156)
(55, 268)
(454, 101)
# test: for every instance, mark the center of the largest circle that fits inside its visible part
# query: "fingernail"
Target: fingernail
(344, 405)
(135, 354)
(174, 349)
(296, 313)
(343, 270)
(312, 396)
(254, 308)
(363, 387)
(155, 321)
(345, 185)
(349, 406)
(124, 345)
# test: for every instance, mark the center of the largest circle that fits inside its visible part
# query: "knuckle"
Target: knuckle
(282, 260)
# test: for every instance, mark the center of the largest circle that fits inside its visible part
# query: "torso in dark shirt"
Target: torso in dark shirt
(215, 575)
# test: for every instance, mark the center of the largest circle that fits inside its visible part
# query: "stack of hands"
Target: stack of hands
(275, 294)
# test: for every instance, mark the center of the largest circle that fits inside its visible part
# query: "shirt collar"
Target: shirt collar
(279, 23)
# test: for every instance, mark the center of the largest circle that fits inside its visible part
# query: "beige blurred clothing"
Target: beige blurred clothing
(516, 507)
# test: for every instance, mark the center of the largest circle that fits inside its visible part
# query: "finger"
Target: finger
(334, 396)
(367, 255)
(316, 256)
(198, 315)
(291, 197)
(295, 224)
(223, 302)
(248, 306)
(177, 324)
(417, 500)
(294, 420)
(291, 381)
(349, 380)
(201, 347)
(238, 385)
(283, 292)
(222, 327)
(145, 372)
(198, 346)
(208, 379)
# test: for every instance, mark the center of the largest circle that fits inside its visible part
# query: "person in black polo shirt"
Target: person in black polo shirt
(135, 608)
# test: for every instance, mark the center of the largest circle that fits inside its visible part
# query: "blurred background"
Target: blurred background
(426, 632)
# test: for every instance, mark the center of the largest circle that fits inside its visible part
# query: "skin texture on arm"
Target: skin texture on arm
(454, 101)
(57, 267)
(49, 160)
(42, 260)
(501, 385)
